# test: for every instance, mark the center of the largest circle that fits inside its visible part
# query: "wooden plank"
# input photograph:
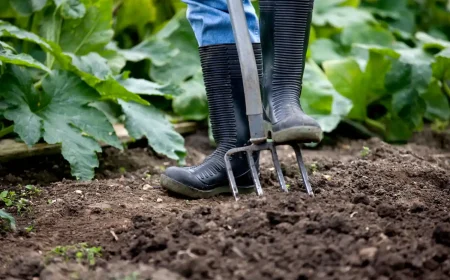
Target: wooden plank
(11, 149)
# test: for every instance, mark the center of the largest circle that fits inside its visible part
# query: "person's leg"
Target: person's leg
(226, 102)
(285, 28)
(211, 22)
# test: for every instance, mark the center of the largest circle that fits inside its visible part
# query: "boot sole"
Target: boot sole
(298, 134)
(301, 134)
(179, 188)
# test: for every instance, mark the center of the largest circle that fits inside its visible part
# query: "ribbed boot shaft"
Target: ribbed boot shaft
(217, 71)
(291, 23)
(226, 101)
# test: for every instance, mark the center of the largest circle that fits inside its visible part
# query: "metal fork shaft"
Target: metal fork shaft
(249, 69)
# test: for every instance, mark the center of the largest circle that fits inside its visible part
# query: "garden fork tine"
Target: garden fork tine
(301, 165)
(253, 106)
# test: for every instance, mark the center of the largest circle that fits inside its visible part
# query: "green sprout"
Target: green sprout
(365, 151)
(80, 252)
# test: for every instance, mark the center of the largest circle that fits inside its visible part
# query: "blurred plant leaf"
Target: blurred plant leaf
(437, 104)
(60, 115)
(89, 33)
(333, 13)
(320, 100)
(147, 121)
(11, 222)
(325, 49)
(23, 59)
(346, 77)
(71, 9)
(366, 34)
(27, 7)
(441, 65)
(192, 103)
(187, 62)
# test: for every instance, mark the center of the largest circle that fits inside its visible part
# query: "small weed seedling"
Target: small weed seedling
(8, 198)
(20, 200)
(29, 229)
(81, 252)
(313, 167)
(132, 276)
(31, 191)
(7, 222)
(365, 151)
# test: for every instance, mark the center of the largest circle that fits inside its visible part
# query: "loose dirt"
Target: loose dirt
(381, 216)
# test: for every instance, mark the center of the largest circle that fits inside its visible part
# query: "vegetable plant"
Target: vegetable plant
(61, 75)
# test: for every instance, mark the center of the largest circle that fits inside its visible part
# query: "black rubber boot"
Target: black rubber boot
(284, 38)
(226, 101)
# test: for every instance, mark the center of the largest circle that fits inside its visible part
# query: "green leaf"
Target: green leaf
(145, 87)
(137, 14)
(366, 34)
(396, 13)
(341, 17)
(8, 30)
(322, 6)
(71, 9)
(429, 42)
(116, 62)
(22, 59)
(415, 56)
(324, 49)
(94, 70)
(147, 121)
(27, 7)
(22, 99)
(346, 77)
(320, 100)
(92, 64)
(441, 66)
(111, 109)
(6, 47)
(407, 82)
(437, 104)
(187, 62)
(192, 104)
(90, 33)
(375, 73)
(6, 11)
(9, 219)
(397, 130)
(159, 51)
(60, 115)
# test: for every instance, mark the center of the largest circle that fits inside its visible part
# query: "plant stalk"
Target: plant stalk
(6, 131)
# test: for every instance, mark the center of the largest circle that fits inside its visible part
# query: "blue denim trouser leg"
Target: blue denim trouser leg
(211, 22)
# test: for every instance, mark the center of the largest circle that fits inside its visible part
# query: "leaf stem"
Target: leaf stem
(56, 34)
(38, 84)
(446, 88)
(376, 126)
(6, 131)
(26, 44)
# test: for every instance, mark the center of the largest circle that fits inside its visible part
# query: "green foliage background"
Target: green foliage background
(72, 68)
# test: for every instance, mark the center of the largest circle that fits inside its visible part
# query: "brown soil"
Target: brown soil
(381, 216)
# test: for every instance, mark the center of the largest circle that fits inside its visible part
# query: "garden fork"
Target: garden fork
(254, 111)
